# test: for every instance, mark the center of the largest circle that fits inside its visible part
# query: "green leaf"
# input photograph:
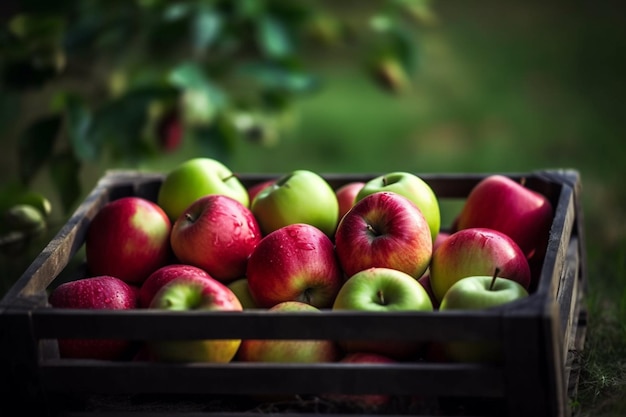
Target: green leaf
(206, 28)
(406, 48)
(276, 77)
(119, 123)
(190, 76)
(274, 38)
(248, 9)
(35, 146)
(65, 174)
(79, 122)
(394, 40)
(176, 11)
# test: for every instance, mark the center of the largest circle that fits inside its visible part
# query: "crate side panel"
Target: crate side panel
(243, 378)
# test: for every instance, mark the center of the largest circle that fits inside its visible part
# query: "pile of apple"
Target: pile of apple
(294, 243)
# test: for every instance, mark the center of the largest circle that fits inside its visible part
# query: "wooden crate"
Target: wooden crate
(541, 335)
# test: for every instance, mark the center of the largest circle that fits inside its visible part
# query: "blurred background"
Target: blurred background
(352, 86)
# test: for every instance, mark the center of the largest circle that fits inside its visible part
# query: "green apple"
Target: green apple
(382, 290)
(240, 288)
(412, 187)
(301, 196)
(196, 178)
(191, 292)
(289, 350)
(476, 293)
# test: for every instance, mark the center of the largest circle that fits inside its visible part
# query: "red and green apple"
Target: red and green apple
(195, 293)
(216, 233)
(384, 229)
(296, 262)
(128, 238)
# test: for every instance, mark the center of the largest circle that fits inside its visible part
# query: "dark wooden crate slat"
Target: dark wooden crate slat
(558, 243)
(568, 295)
(83, 376)
(154, 324)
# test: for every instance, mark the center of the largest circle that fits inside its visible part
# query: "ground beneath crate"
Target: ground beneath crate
(292, 404)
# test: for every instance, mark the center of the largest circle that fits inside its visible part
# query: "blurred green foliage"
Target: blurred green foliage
(125, 80)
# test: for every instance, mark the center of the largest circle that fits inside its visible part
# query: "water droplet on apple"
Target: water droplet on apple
(305, 245)
(237, 226)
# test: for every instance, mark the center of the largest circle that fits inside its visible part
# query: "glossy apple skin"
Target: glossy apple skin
(191, 292)
(128, 239)
(362, 401)
(216, 233)
(412, 187)
(296, 351)
(382, 290)
(253, 190)
(162, 276)
(301, 196)
(294, 263)
(196, 178)
(241, 290)
(443, 235)
(501, 203)
(384, 229)
(424, 280)
(477, 251)
(97, 292)
(476, 293)
(346, 196)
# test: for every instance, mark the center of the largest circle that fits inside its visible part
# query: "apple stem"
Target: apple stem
(371, 229)
(523, 181)
(381, 297)
(493, 279)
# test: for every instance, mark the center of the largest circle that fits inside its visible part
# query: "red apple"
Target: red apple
(162, 276)
(193, 292)
(362, 401)
(296, 262)
(441, 236)
(97, 292)
(384, 229)
(477, 251)
(346, 196)
(170, 131)
(254, 189)
(128, 239)
(286, 350)
(501, 203)
(216, 233)
(425, 281)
